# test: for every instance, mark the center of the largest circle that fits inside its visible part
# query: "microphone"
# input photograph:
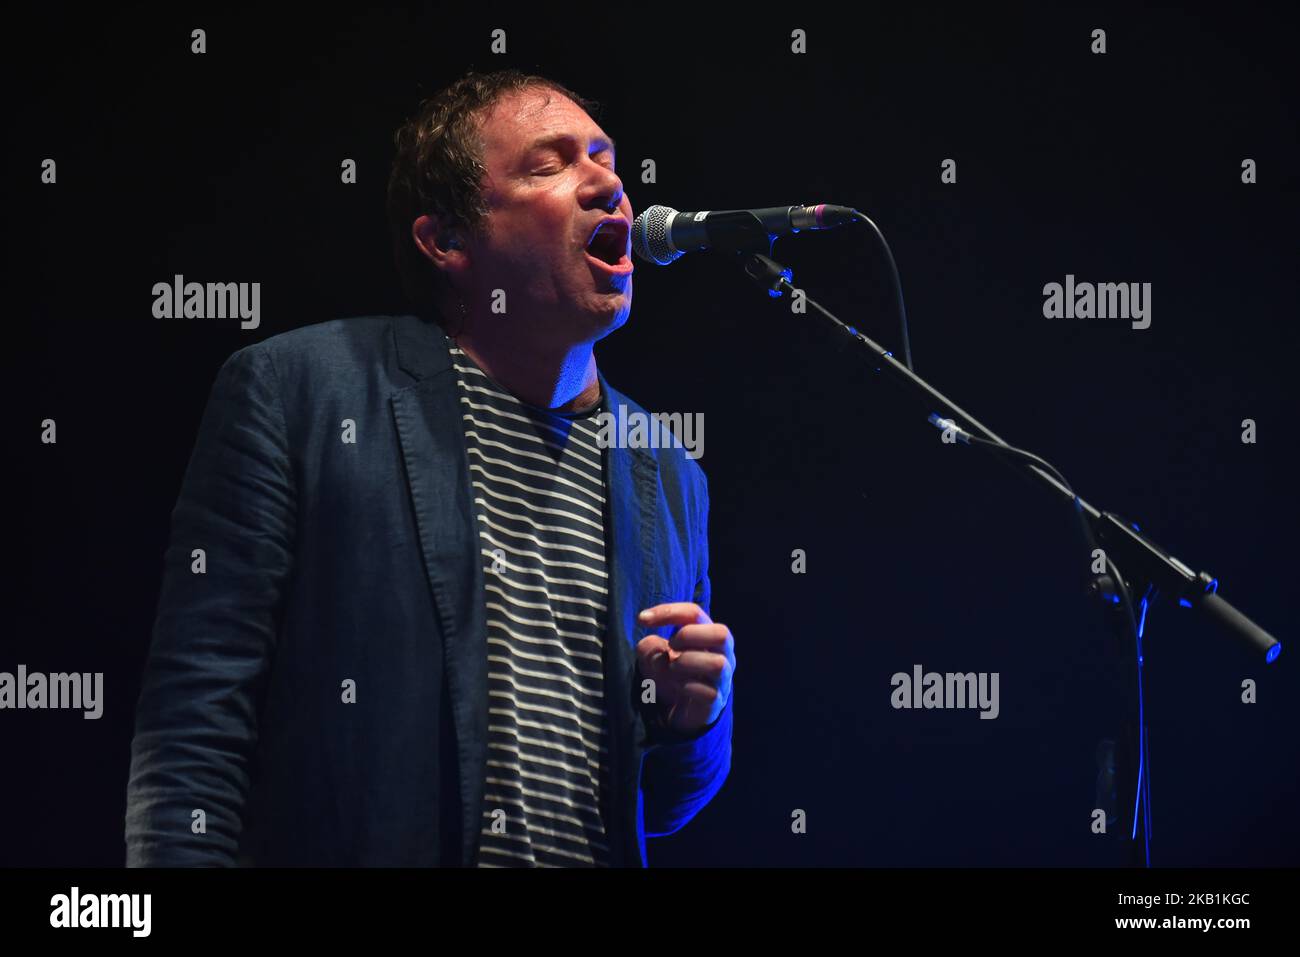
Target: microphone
(661, 234)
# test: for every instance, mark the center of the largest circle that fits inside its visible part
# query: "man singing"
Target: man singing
(414, 611)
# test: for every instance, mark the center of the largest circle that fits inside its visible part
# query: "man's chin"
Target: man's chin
(611, 314)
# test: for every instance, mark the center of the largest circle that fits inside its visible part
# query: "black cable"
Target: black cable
(898, 287)
(1124, 598)
(1122, 595)
(1031, 459)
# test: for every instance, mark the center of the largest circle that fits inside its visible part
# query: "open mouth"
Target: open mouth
(608, 245)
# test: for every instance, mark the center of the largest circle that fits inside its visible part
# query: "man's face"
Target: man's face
(550, 181)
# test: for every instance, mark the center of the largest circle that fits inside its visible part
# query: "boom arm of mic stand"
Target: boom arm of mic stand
(1141, 558)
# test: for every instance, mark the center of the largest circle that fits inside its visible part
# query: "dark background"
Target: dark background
(1117, 167)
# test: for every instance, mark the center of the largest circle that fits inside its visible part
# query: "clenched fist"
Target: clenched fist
(692, 670)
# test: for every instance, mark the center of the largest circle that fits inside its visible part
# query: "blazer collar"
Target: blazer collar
(421, 348)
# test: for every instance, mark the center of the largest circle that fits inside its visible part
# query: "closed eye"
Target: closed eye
(551, 171)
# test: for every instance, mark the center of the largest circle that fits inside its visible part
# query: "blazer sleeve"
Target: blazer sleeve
(682, 773)
(196, 718)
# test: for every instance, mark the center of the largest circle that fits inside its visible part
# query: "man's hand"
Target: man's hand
(692, 670)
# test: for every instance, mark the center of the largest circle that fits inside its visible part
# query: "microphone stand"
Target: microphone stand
(1151, 571)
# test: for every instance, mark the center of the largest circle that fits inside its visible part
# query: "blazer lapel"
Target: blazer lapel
(632, 480)
(432, 438)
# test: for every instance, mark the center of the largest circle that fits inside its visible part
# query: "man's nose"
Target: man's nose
(606, 188)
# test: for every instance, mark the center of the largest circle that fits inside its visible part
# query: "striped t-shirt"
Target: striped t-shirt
(539, 498)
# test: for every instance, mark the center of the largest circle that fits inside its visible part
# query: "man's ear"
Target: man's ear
(443, 245)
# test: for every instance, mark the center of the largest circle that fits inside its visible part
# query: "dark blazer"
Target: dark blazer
(329, 562)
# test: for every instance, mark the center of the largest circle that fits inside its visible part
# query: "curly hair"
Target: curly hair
(438, 170)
